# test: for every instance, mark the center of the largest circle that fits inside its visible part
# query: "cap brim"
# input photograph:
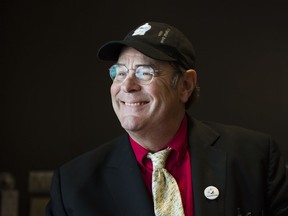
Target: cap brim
(111, 50)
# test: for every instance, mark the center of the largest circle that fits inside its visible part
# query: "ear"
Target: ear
(187, 84)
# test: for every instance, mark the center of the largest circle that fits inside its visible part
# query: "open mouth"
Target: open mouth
(135, 103)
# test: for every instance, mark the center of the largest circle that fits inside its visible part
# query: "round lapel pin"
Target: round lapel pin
(211, 192)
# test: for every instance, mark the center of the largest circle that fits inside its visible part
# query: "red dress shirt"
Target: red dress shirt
(178, 164)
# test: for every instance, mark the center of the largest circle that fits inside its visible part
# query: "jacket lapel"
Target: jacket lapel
(208, 168)
(125, 181)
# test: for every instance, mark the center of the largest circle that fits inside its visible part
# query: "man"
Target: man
(211, 169)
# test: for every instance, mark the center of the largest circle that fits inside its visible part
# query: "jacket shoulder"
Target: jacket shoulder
(229, 130)
(92, 160)
(233, 138)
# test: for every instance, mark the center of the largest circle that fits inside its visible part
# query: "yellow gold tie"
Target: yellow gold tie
(166, 194)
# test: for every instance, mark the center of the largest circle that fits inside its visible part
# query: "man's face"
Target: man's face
(142, 108)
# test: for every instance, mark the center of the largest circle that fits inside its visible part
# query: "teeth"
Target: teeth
(134, 104)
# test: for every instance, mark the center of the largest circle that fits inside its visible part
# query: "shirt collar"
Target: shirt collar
(178, 143)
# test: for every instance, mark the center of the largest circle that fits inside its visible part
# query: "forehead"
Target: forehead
(129, 55)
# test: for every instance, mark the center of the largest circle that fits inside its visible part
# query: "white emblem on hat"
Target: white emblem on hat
(142, 29)
(211, 192)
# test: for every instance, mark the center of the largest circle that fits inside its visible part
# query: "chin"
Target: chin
(131, 124)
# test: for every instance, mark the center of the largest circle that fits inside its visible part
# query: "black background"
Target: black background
(55, 101)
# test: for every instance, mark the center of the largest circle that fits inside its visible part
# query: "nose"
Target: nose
(130, 84)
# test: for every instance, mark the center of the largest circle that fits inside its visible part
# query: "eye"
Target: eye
(144, 72)
(121, 73)
(118, 72)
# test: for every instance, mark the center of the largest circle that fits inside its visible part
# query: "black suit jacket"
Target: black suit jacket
(244, 165)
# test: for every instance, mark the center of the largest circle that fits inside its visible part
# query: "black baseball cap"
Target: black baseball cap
(159, 41)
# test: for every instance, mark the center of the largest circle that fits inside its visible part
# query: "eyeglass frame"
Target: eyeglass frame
(178, 69)
(153, 72)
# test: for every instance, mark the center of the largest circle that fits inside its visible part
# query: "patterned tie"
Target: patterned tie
(166, 194)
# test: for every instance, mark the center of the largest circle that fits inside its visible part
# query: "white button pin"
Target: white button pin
(211, 192)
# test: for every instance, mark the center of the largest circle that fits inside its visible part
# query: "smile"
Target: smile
(134, 104)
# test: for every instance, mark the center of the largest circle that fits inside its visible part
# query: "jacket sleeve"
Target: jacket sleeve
(277, 184)
(55, 207)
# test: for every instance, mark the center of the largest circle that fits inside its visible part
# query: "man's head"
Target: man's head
(153, 78)
(158, 41)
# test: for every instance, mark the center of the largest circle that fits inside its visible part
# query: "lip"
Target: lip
(134, 104)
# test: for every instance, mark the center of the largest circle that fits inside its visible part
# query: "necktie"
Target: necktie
(166, 194)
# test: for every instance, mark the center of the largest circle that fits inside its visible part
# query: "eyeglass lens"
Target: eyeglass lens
(144, 73)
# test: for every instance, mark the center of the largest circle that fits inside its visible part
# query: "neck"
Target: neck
(157, 138)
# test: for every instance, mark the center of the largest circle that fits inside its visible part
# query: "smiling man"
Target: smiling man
(142, 102)
(168, 163)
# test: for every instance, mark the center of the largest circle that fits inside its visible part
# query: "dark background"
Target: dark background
(55, 101)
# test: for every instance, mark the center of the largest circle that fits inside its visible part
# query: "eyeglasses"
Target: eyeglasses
(143, 73)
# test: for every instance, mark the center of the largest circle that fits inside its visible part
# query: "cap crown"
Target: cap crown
(159, 41)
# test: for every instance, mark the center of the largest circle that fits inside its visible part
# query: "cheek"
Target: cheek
(114, 89)
(163, 93)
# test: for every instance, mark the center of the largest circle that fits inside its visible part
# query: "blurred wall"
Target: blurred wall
(55, 101)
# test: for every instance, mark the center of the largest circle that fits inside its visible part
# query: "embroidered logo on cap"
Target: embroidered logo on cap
(142, 29)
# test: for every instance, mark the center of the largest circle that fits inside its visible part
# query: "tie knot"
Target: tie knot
(159, 158)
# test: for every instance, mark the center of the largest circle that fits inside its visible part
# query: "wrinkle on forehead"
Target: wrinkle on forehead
(131, 57)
